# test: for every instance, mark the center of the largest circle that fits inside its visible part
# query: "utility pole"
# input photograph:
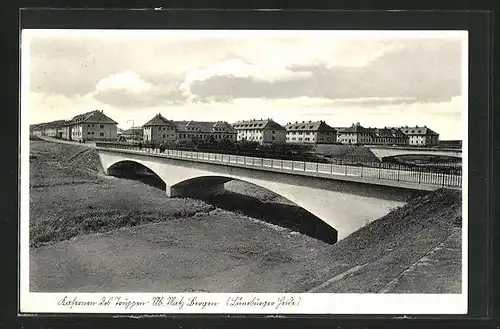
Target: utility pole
(133, 130)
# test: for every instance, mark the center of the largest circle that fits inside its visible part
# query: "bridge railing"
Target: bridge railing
(396, 173)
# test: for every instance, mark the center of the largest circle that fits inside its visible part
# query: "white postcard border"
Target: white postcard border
(304, 303)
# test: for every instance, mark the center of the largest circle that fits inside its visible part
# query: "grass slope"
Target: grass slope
(370, 258)
(346, 151)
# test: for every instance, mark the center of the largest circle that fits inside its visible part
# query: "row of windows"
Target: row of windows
(299, 139)
(253, 132)
(194, 136)
(100, 134)
(256, 138)
(92, 125)
(310, 132)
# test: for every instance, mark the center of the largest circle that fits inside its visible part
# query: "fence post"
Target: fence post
(419, 174)
(317, 167)
(379, 169)
(442, 179)
(331, 168)
(345, 170)
(361, 171)
(399, 167)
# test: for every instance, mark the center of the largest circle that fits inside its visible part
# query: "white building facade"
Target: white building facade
(421, 136)
(260, 131)
(310, 132)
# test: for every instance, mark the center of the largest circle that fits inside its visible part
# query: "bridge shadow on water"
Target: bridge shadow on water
(135, 171)
(288, 216)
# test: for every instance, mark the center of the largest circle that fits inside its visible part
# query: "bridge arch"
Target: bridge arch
(137, 171)
(343, 206)
(203, 186)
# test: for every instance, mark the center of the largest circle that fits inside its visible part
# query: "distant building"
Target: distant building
(389, 136)
(261, 131)
(135, 133)
(421, 136)
(50, 132)
(90, 126)
(314, 132)
(205, 130)
(50, 129)
(356, 134)
(67, 130)
(160, 129)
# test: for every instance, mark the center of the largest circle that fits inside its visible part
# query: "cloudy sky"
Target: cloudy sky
(379, 79)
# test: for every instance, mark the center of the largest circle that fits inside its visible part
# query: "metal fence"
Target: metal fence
(396, 173)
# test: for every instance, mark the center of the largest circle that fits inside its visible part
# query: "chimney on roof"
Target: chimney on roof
(416, 126)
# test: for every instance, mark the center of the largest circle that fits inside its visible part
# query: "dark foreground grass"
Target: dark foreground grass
(78, 209)
(70, 196)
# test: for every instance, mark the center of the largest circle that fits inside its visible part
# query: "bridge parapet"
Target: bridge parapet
(378, 175)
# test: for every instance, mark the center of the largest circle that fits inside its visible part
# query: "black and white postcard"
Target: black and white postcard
(244, 171)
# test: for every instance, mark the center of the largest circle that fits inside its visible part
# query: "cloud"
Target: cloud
(128, 90)
(236, 68)
(427, 70)
(127, 81)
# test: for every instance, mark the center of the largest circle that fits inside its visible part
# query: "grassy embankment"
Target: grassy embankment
(415, 248)
(70, 196)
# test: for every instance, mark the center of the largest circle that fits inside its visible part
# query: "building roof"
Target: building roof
(356, 128)
(257, 124)
(309, 126)
(223, 124)
(388, 132)
(95, 116)
(158, 120)
(47, 125)
(203, 126)
(416, 131)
